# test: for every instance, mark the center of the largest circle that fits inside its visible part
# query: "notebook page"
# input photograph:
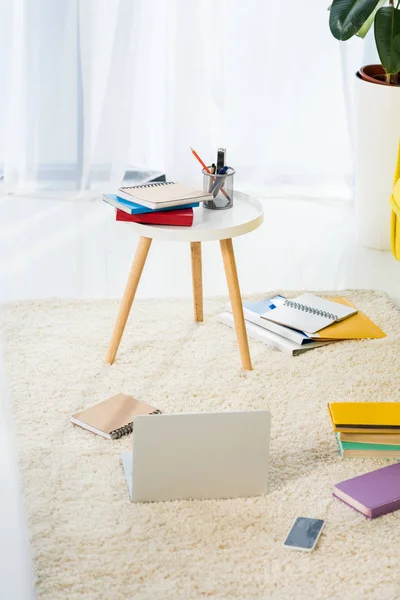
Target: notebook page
(296, 318)
(341, 311)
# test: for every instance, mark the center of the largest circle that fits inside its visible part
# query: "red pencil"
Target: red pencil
(203, 164)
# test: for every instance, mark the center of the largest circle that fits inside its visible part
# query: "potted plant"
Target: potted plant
(378, 112)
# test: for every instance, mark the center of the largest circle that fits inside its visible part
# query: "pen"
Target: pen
(207, 170)
(220, 182)
(212, 171)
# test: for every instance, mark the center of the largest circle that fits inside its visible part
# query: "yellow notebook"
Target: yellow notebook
(356, 327)
(365, 417)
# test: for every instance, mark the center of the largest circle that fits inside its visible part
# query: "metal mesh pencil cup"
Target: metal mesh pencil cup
(221, 186)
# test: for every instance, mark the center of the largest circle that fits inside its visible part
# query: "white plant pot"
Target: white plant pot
(377, 138)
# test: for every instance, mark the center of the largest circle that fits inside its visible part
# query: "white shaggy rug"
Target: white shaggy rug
(89, 542)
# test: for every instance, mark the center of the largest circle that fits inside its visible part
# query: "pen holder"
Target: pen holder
(221, 186)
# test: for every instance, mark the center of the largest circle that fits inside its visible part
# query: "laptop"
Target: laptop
(198, 456)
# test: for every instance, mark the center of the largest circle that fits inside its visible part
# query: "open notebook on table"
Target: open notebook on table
(309, 313)
(162, 194)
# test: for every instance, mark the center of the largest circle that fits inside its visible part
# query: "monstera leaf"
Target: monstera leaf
(347, 17)
(387, 37)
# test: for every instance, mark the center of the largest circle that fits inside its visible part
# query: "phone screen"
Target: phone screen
(304, 533)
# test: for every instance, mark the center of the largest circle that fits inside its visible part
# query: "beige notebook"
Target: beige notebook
(113, 418)
(162, 194)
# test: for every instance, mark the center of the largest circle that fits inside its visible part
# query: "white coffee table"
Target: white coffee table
(209, 225)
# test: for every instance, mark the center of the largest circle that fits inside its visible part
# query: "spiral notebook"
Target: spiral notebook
(113, 418)
(309, 313)
(162, 194)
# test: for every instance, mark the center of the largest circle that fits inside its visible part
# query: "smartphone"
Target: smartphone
(304, 534)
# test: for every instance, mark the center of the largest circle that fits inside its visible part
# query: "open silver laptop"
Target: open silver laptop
(198, 455)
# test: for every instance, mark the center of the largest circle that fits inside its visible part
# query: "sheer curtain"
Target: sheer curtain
(93, 87)
(68, 92)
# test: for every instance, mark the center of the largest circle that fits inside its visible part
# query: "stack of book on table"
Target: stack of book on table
(366, 429)
(158, 203)
(303, 323)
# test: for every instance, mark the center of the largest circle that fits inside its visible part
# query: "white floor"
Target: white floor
(57, 248)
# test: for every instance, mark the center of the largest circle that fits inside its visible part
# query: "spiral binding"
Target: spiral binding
(148, 185)
(308, 309)
(126, 429)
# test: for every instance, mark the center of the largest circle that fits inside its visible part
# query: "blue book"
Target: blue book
(137, 209)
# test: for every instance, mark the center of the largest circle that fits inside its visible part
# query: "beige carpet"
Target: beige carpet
(89, 542)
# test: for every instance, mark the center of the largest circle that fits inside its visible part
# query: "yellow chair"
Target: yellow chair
(395, 204)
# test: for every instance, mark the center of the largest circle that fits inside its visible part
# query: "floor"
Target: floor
(58, 248)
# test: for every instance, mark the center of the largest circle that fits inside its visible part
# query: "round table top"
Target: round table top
(245, 215)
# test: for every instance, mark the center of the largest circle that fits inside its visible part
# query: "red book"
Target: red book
(182, 217)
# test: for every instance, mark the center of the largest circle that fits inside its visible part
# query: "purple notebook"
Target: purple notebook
(373, 494)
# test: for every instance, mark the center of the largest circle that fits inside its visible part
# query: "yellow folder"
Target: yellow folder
(356, 327)
(365, 417)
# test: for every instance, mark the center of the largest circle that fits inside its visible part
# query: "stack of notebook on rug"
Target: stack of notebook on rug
(303, 323)
(158, 203)
(367, 429)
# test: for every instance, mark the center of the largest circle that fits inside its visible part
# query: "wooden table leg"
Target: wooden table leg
(236, 301)
(195, 248)
(128, 297)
